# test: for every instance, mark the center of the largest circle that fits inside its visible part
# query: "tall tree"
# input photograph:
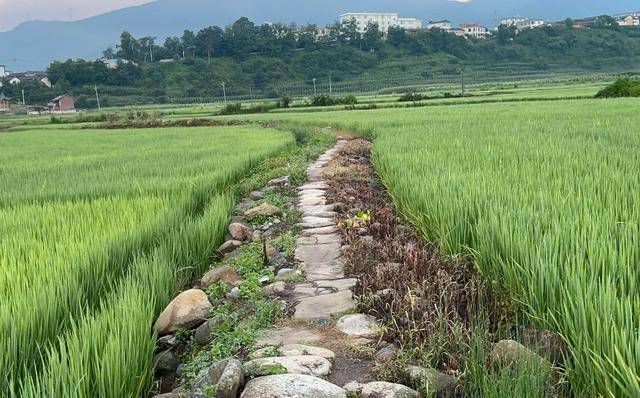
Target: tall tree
(396, 36)
(173, 47)
(241, 36)
(208, 40)
(372, 37)
(189, 43)
(349, 32)
(129, 47)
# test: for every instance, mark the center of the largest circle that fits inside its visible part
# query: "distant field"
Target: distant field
(99, 229)
(544, 197)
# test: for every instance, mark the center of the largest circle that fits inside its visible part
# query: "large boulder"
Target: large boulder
(264, 210)
(380, 389)
(230, 380)
(434, 381)
(359, 325)
(188, 310)
(300, 364)
(224, 274)
(509, 352)
(291, 386)
(239, 231)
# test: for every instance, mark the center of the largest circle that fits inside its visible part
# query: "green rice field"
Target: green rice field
(99, 229)
(544, 197)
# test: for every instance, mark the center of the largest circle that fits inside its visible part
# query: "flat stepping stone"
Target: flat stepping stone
(314, 185)
(294, 350)
(319, 240)
(311, 192)
(320, 231)
(315, 222)
(381, 389)
(314, 175)
(318, 208)
(311, 365)
(291, 386)
(312, 254)
(318, 288)
(288, 335)
(324, 271)
(358, 325)
(324, 306)
(312, 201)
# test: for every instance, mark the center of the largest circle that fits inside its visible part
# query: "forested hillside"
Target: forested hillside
(261, 60)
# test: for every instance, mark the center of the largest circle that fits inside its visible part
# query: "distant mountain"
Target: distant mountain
(33, 45)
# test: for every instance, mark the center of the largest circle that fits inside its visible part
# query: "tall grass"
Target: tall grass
(84, 272)
(544, 197)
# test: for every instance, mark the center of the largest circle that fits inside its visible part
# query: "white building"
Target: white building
(385, 20)
(629, 20)
(512, 21)
(474, 30)
(530, 24)
(3, 71)
(444, 25)
(523, 23)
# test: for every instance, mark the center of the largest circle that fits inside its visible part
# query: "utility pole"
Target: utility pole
(224, 91)
(462, 79)
(315, 90)
(95, 86)
(23, 101)
(330, 85)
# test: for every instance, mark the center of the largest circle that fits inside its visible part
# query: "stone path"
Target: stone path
(327, 292)
(314, 352)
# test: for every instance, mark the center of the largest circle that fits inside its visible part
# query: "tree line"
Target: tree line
(256, 59)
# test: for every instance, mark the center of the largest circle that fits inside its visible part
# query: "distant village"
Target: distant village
(363, 20)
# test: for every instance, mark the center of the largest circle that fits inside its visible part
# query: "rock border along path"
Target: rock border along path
(327, 292)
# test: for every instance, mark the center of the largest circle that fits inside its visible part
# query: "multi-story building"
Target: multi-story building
(3, 71)
(522, 23)
(629, 20)
(531, 24)
(385, 20)
(512, 21)
(474, 30)
(444, 25)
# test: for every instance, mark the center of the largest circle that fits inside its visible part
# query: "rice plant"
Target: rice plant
(97, 232)
(544, 197)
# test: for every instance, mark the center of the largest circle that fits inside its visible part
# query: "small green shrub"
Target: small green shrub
(624, 87)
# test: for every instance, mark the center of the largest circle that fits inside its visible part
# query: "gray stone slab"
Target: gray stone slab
(319, 239)
(315, 222)
(320, 231)
(325, 306)
(288, 335)
(312, 201)
(314, 185)
(322, 287)
(324, 271)
(317, 208)
(312, 254)
(311, 192)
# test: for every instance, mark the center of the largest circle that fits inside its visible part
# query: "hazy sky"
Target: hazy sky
(14, 12)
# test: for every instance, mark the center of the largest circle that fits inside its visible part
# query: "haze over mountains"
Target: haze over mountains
(33, 45)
